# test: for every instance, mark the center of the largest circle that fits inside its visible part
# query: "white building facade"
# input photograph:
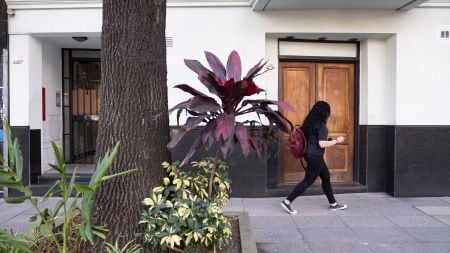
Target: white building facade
(396, 56)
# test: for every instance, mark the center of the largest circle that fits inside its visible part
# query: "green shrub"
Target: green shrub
(76, 221)
(13, 243)
(127, 248)
(181, 215)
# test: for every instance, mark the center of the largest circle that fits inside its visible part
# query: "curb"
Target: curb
(248, 242)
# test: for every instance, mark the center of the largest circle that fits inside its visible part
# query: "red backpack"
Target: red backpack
(297, 142)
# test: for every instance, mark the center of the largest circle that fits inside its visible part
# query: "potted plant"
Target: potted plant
(200, 223)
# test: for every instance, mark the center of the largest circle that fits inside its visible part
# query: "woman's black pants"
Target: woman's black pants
(316, 167)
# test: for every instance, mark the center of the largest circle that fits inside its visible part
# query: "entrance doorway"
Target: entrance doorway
(303, 84)
(82, 92)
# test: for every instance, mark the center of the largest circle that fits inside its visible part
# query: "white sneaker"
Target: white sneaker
(286, 204)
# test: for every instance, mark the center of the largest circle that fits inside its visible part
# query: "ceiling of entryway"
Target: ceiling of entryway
(266, 5)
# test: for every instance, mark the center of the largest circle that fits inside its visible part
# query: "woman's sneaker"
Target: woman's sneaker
(286, 204)
(337, 206)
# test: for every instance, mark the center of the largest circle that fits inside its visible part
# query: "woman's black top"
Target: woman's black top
(319, 133)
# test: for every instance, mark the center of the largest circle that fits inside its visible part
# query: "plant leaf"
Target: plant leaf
(83, 188)
(6, 174)
(234, 67)
(216, 66)
(243, 138)
(227, 147)
(45, 230)
(203, 104)
(50, 191)
(18, 160)
(195, 146)
(192, 122)
(208, 134)
(176, 138)
(119, 174)
(16, 185)
(197, 67)
(16, 200)
(255, 69)
(281, 104)
(189, 89)
(225, 126)
(59, 156)
(182, 105)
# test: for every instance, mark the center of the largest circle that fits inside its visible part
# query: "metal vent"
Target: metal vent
(443, 34)
(169, 41)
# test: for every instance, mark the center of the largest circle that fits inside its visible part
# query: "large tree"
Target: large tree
(133, 109)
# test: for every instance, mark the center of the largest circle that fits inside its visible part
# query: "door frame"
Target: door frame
(320, 59)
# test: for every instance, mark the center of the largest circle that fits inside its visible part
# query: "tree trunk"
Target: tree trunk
(133, 110)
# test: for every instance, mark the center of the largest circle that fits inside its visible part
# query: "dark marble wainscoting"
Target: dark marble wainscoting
(248, 174)
(35, 155)
(406, 161)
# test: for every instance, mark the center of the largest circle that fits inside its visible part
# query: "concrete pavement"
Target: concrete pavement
(374, 222)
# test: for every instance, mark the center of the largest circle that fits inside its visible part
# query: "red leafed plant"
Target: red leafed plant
(221, 125)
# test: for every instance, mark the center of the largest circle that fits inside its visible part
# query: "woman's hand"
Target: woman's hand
(340, 139)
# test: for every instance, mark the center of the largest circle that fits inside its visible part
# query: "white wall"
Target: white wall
(52, 81)
(415, 82)
(377, 87)
(56, 21)
(418, 63)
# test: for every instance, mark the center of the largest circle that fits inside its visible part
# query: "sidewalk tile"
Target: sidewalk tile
(444, 219)
(277, 235)
(446, 199)
(435, 210)
(271, 222)
(383, 235)
(430, 234)
(429, 201)
(332, 247)
(318, 222)
(367, 222)
(314, 211)
(19, 224)
(234, 205)
(283, 247)
(389, 211)
(416, 221)
(335, 235)
(437, 247)
(397, 248)
(357, 211)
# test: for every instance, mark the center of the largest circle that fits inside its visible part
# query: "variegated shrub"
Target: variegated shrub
(180, 215)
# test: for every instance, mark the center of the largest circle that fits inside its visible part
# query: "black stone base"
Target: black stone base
(406, 161)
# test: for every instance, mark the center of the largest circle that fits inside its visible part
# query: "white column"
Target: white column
(25, 81)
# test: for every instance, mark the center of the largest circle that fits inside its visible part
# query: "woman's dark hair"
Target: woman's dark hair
(318, 114)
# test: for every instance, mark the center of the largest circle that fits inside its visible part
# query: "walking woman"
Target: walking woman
(316, 132)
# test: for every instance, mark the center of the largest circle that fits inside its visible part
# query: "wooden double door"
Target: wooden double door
(302, 85)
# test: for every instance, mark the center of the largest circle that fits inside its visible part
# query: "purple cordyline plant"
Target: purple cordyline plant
(221, 125)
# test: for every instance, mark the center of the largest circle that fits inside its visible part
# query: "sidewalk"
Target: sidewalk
(374, 222)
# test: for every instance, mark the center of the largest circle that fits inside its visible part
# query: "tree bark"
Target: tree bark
(133, 110)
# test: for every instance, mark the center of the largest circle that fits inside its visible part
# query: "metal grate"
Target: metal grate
(169, 41)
